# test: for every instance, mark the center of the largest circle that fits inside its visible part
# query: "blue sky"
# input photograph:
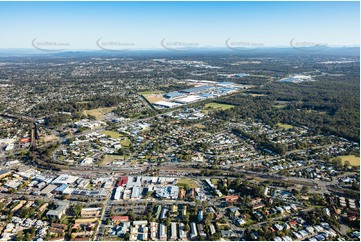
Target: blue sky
(145, 24)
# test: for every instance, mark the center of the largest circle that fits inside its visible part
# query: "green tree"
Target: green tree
(304, 189)
(186, 227)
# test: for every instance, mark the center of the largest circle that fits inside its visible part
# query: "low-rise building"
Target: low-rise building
(162, 232)
(59, 211)
(173, 231)
(91, 212)
(194, 233)
(4, 173)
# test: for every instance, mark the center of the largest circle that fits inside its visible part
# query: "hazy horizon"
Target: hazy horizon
(171, 25)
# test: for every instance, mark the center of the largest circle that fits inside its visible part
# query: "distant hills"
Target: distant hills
(264, 51)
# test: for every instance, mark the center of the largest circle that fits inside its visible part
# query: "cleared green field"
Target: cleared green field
(214, 181)
(280, 106)
(218, 106)
(151, 92)
(257, 95)
(98, 113)
(200, 126)
(112, 134)
(110, 158)
(284, 126)
(354, 160)
(186, 182)
(82, 102)
(152, 98)
(61, 158)
(125, 142)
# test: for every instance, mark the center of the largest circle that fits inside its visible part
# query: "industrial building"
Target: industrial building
(47, 190)
(118, 193)
(195, 90)
(101, 193)
(61, 188)
(171, 95)
(123, 181)
(168, 192)
(224, 84)
(65, 179)
(165, 104)
(189, 99)
(135, 193)
(134, 181)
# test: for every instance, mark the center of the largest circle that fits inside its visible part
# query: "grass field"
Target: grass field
(110, 158)
(151, 92)
(62, 158)
(98, 113)
(284, 126)
(218, 106)
(317, 112)
(257, 95)
(200, 126)
(125, 142)
(186, 182)
(354, 160)
(152, 98)
(112, 134)
(89, 186)
(214, 181)
(280, 106)
(48, 138)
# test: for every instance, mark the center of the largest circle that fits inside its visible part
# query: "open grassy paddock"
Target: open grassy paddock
(218, 106)
(112, 134)
(284, 126)
(152, 98)
(214, 181)
(110, 158)
(151, 92)
(48, 138)
(354, 160)
(98, 113)
(186, 182)
(200, 126)
(257, 95)
(280, 106)
(125, 142)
